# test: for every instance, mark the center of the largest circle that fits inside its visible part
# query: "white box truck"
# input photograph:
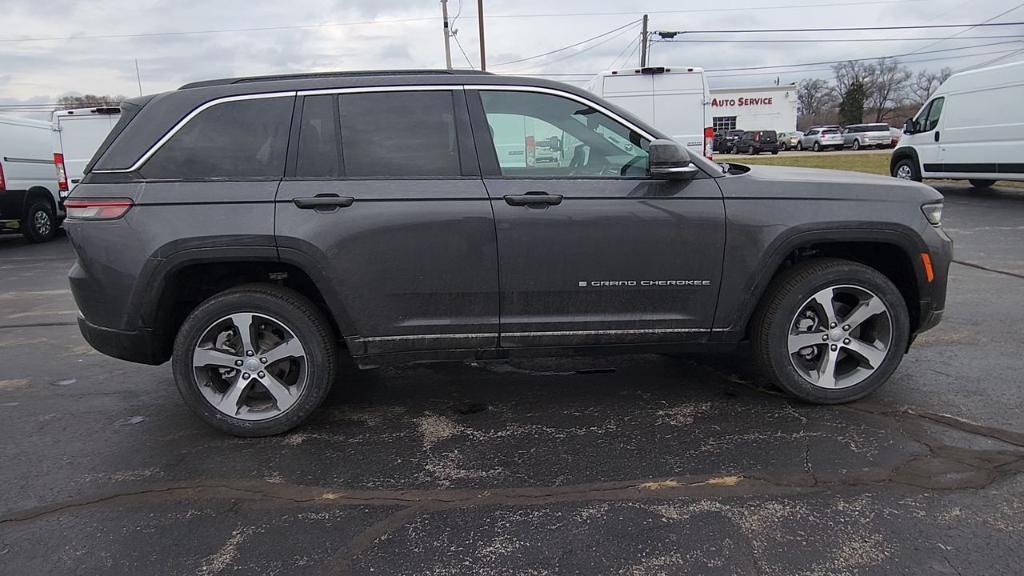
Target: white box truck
(972, 128)
(29, 200)
(77, 135)
(673, 99)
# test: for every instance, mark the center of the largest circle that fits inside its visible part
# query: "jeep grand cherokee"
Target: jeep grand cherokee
(250, 230)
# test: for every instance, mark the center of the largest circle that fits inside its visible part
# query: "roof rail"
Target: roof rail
(313, 75)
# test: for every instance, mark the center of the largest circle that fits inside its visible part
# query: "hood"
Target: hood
(789, 182)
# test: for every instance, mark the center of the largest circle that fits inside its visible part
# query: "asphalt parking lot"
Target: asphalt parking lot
(638, 465)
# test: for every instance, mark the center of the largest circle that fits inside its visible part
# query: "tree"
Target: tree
(925, 83)
(88, 101)
(887, 86)
(847, 73)
(816, 102)
(851, 109)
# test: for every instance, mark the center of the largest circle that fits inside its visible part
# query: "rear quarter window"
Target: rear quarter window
(245, 139)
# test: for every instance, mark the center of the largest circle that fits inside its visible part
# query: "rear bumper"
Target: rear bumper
(134, 346)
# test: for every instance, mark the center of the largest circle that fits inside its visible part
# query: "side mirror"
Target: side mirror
(667, 159)
(909, 127)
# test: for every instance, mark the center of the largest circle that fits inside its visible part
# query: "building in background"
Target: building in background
(760, 108)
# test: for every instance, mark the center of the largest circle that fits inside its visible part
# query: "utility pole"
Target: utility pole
(643, 43)
(447, 33)
(480, 21)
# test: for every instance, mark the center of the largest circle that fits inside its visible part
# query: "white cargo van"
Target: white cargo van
(972, 128)
(77, 135)
(674, 99)
(29, 200)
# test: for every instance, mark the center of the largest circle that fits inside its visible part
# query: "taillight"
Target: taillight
(3, 183)
(62, 175)
(709, 142)
(97, 209)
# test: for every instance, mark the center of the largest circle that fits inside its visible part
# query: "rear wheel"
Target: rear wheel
(38, 225)
(255, 360)
(751, 151)
(981, 183)
(830, 331)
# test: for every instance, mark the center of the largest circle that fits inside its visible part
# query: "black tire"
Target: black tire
(307, 322)
(856, 144)
(817, 147)
(782, 302)
(981, 183)
(800, 146)
(752, 151)
(39, 224)
(909, 165)
(774, 152)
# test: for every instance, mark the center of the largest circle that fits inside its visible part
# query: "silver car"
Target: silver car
(859, 136)
(818, 139)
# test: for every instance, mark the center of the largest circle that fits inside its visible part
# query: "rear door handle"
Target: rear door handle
(323, 202)
(534, 198)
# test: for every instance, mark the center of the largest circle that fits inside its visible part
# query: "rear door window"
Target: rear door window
(399, 134)
(245, 139)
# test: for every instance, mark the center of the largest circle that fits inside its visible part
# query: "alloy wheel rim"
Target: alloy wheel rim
(250, 366)
(840, 336)
(904, 172)
(42, 222)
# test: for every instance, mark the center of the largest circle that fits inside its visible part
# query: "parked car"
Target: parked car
(859, 136)
(894, 136)
(789, 140)
(29, 200)
(757, 141)
(77, 134)
(725, 142)
(674, 99)
(819, 139)
(214, 231)
(972, 128)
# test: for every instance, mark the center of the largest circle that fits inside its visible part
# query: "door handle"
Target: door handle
(323, 201)
(936, 135)
(534, 198)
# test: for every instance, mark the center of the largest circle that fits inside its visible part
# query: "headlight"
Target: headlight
(933, 212)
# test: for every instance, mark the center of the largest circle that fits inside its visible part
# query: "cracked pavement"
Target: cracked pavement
(638, 465)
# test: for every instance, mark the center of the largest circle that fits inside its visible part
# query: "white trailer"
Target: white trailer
(29, 200)
(673, 99)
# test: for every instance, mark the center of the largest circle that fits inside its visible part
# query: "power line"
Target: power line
(971, 28)
(851, 29)
(806, 70)
(857, 59)
(461, 49)
(830, 40)
(612, 31)
(591, 47)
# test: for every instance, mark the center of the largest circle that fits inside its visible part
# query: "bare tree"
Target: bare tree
(849, 72)
(886, 87)
(816, 101)
(925, 83)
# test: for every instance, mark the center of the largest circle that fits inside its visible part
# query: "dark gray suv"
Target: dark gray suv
(251, 229)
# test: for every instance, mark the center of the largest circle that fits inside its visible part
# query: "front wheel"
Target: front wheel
(817, 147)
(981, 183)
(39, 224)
(255, 360)
(830, 331)
(856, 144)
(906, 169)
(800, 146)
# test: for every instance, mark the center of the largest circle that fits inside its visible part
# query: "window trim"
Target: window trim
(138, 164)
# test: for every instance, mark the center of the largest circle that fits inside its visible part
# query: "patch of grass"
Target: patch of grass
(870, 163)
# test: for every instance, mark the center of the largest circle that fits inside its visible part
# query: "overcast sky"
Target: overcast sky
(49, 48)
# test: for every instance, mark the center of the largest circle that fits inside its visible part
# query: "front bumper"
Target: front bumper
(134, 346)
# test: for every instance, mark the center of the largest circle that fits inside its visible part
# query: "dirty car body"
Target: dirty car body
(251, 228)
